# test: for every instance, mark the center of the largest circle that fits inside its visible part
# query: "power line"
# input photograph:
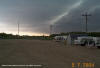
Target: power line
(86, 15)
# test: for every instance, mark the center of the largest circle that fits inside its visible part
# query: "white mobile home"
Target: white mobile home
(60, 38)
(97, 41)
(72, 37)
(83, 40)
(90, 41)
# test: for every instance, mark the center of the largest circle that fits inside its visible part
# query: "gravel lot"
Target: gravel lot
(51, 54)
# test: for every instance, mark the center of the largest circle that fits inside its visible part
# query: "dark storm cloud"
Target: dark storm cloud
(77, 22)
(37, 15)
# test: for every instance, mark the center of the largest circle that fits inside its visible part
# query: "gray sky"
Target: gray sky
(36, 16)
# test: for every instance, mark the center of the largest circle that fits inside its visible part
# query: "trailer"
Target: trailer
(72, 37)
(60, 38)
(97, 41)
(83, 41)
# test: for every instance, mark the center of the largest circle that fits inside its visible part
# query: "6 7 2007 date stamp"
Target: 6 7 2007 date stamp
(83, 65)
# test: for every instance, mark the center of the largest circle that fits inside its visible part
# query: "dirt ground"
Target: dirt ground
(50, 54)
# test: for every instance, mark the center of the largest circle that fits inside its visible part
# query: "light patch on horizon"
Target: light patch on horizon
(14, 30)
(24, 33)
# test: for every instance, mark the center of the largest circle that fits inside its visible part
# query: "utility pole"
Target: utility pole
(86, 15)
(51, 29)
(18, 27)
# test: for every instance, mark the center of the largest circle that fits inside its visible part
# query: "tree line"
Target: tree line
(11, 36)
(94, 34)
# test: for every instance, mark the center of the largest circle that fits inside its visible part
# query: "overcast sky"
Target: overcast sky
(36, 16)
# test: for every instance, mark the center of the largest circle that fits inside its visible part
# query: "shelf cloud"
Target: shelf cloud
(36, 16)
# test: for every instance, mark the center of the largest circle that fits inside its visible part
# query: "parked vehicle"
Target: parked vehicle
(95, 41)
